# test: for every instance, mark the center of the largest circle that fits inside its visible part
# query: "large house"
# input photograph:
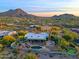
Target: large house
(37, 38)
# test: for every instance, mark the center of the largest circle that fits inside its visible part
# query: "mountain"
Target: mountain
(20, 17)
(20, 13)
(16, 13)
(64, 16)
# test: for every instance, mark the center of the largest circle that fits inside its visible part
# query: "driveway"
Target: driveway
(46, 56)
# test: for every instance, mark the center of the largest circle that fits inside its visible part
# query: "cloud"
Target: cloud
(73, 4)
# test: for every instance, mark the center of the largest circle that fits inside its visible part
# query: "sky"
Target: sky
(42, 7)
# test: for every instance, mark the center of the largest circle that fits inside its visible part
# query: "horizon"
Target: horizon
(41, 14)
(44, 8)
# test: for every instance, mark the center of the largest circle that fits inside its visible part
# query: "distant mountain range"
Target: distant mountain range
(16, 13)
(20, 17)
(20, 13)
(64, 16)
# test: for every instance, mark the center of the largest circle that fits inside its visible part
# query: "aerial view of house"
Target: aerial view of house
(39, 29)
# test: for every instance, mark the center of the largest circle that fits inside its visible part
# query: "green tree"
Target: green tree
(55, 38)
(67, 37)
(63, 42)
(71, 36)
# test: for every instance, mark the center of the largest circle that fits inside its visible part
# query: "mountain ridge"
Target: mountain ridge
(20, 13)
(16, 13)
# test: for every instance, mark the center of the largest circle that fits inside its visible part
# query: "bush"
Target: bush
(30, 56)
(1, 47)
(7, 40)
(22, 33)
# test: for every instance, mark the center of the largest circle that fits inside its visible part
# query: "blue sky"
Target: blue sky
(39, 7)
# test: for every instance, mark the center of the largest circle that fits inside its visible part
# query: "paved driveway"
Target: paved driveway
(55, 57)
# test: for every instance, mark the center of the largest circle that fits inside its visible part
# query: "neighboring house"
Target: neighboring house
(34, 26)
(77, 41)
(75, 30)
(12, 33)
(37, 38)
(3, 33)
